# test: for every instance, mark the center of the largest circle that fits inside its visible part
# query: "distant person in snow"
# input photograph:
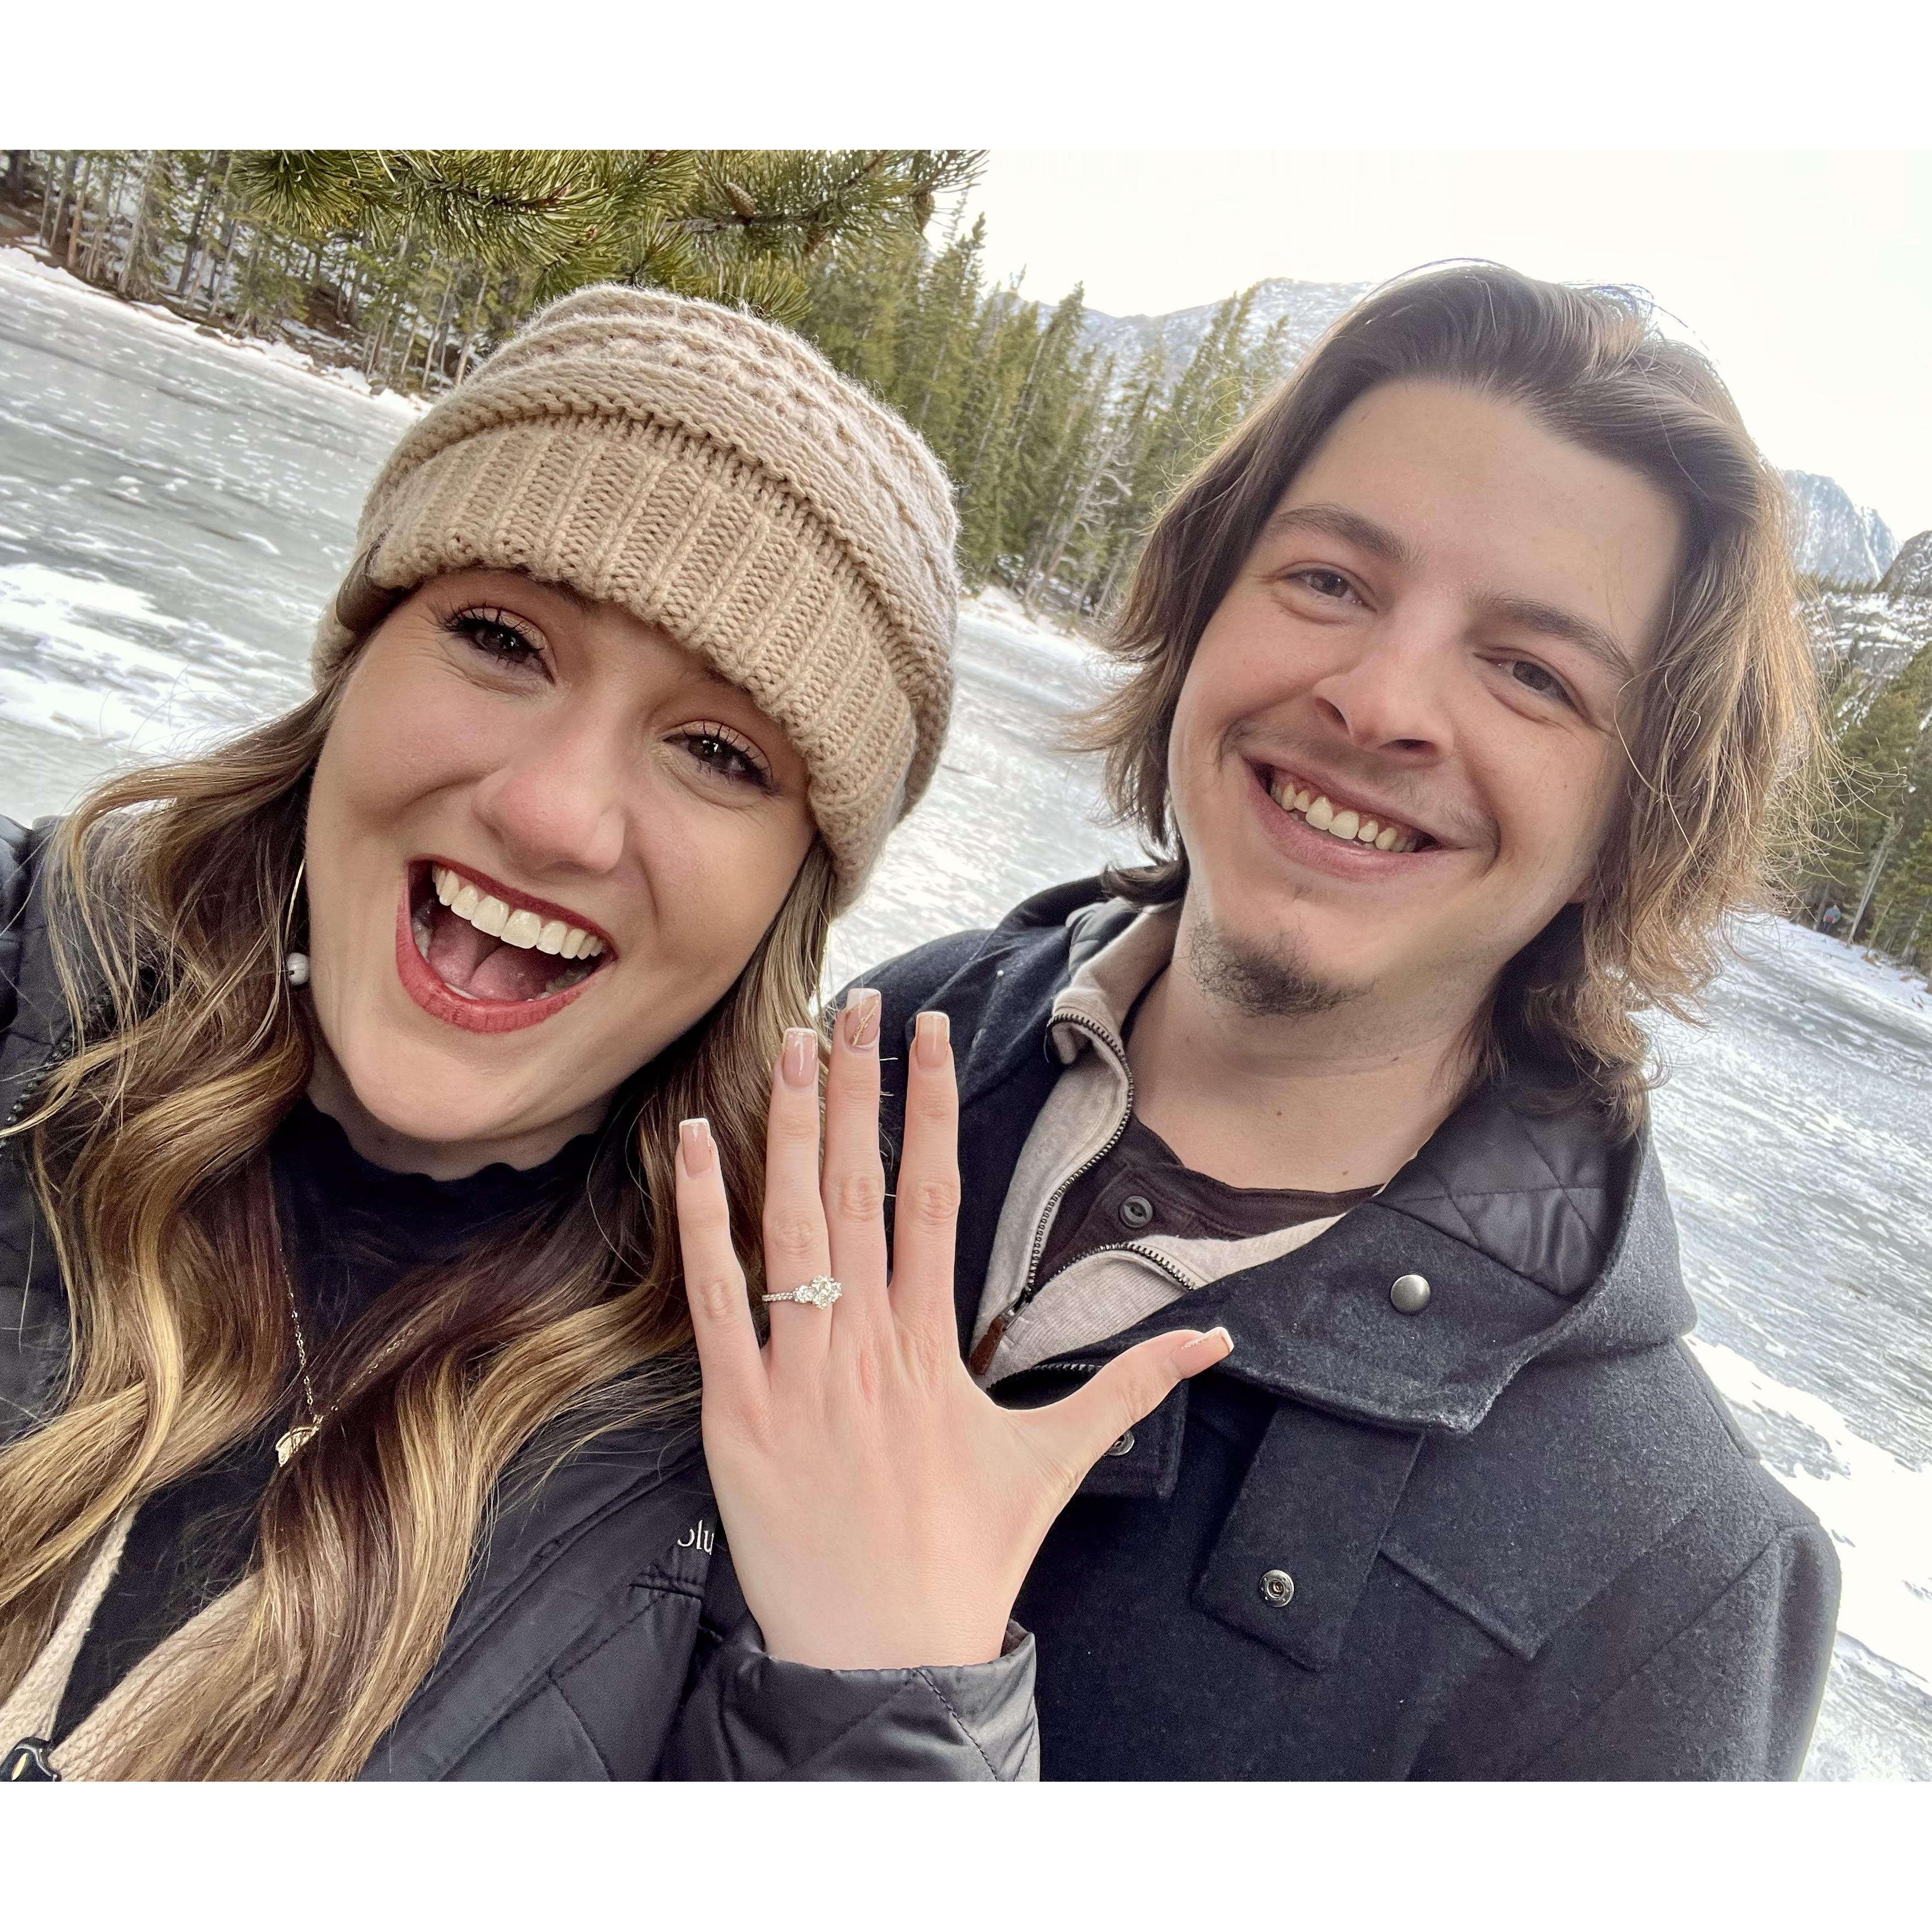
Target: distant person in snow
(1459, 687)
(377, 1085)
(1829, 919)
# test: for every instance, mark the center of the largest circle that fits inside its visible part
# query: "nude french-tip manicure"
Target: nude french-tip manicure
(799, 1063)
(860, 1018)
(694, 1145)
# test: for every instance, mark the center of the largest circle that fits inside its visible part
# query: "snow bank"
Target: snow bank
(1877, 1509)
(257, 349)
(1859, 974)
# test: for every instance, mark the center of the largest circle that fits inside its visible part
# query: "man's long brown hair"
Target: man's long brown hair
(177, 901)
(1720, 729)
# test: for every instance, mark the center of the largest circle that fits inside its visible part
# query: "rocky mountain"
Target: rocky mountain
(1837, 540)
(1310, 306)
(1911, 572)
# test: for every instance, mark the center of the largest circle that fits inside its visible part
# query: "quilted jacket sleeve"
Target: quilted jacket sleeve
(15, 873)
(749, 1715)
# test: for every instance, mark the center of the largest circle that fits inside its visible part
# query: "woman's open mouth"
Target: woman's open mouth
(485, 957)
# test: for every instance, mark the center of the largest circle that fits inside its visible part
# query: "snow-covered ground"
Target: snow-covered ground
(174, 510)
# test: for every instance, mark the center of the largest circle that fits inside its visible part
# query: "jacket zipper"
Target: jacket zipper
(1028, 1289)
(982, 1356)
(60, 1051)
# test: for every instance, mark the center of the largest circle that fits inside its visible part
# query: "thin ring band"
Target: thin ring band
(820, 1292)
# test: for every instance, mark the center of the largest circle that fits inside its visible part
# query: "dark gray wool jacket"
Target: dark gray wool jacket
(601, 1635)
(1524, 1537)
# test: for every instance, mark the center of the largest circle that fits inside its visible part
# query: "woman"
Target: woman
(352, 1073)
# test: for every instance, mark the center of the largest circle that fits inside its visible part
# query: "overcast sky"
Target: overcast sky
(1807, 277)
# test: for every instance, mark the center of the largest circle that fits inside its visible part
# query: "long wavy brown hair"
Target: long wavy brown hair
(1720, 729)
(174, 899)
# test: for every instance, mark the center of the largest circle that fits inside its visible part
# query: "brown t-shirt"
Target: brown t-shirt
(1140, 1188)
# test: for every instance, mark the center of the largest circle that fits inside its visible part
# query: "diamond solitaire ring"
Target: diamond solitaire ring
(820, 1292)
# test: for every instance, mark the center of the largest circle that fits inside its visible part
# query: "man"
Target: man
(1460, 684)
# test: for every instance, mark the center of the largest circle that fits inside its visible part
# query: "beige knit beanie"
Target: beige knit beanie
(714, 475)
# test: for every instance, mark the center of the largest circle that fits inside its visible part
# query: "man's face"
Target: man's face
(1434, 634)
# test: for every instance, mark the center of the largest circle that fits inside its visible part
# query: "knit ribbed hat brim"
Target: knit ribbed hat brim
(714, 476)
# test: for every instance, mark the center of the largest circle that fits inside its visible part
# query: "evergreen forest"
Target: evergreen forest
(403, 267)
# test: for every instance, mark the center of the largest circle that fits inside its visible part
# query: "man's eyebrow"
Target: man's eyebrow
(1531, 613)
(1333, 520)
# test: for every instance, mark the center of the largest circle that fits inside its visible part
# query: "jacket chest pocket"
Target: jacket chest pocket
(1295, 1551)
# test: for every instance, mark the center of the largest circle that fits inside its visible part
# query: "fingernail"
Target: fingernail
(930, 1032)
(860, 1018)
(1211, 1335)
(694, 1139)
(799, 1063)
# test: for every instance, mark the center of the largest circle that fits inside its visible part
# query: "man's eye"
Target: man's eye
(1328, 584)
(727, 755)
(1532, 677)
(495, 635)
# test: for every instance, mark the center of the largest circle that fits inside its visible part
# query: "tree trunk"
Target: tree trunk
(470, 333)
(63, 204)
(79, 215)
(98, 252)
(217, 267)
(130, 269)
(191, 251)
(439, 334)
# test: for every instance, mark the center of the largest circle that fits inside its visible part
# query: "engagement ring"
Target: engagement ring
(820, 1292)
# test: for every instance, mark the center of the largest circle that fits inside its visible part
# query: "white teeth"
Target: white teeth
(1355, 826)
(529, 931)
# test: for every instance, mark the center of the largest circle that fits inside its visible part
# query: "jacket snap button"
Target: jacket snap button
(1122, 1445)
(1410, 1293)
(1137, 1211)
(1277, 1588)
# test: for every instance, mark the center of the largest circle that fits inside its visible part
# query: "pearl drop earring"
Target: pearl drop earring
(296, 968)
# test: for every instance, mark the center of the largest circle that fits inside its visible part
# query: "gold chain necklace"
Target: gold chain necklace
(291, 1438)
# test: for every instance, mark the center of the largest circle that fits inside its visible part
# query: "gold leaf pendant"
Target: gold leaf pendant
(289, 1444)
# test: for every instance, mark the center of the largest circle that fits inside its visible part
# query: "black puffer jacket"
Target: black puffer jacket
(602, 1635)
(1515, 1535)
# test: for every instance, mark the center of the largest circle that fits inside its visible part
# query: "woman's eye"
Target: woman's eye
(726, 755)
(1531, 676)
(495, 635)
(1331, 584)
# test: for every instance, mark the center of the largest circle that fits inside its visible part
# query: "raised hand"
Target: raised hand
(880, 1509)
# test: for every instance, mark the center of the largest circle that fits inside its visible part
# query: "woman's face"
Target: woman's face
(543, 841)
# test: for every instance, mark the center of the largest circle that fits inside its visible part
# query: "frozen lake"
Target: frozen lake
(173, 510)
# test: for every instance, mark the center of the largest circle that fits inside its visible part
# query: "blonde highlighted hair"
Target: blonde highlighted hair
(176, 899)
(1721, 731)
